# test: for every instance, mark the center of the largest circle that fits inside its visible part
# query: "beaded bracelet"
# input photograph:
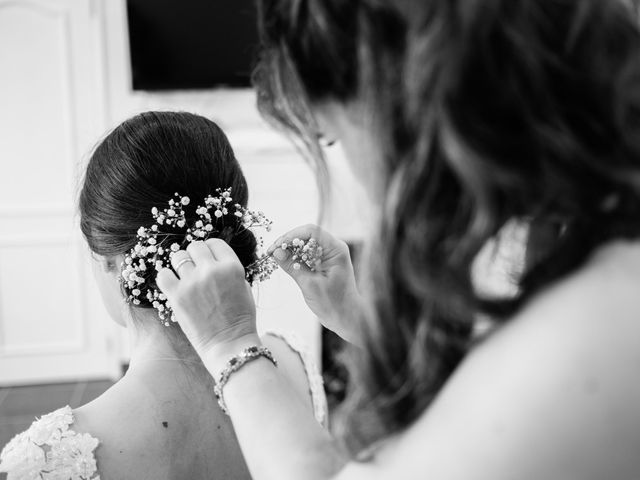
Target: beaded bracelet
(234, 364)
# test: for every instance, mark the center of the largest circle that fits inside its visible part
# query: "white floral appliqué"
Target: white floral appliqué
(49, 450)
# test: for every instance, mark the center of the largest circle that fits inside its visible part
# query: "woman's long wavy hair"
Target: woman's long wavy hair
(488, 111)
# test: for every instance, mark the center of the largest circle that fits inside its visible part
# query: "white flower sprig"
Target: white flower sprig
(303, 252)
(156, 245)
(262, 268)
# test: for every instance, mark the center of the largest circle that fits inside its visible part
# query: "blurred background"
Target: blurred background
(71, 70)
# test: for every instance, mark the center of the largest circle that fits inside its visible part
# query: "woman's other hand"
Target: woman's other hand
(330, 290)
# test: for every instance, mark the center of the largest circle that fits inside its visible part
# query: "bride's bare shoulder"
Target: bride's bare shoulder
(155, 427)
(119, 418)
(107, 437)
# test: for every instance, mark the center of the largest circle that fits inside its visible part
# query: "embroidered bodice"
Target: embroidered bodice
(51, 450)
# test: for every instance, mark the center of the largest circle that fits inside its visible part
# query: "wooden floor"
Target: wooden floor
(19, 406)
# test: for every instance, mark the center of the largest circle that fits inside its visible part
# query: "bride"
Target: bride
(161, 420)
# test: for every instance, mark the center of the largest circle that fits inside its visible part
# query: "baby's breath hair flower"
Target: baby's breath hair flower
(303, 252)
(172, 232)
(262, 269)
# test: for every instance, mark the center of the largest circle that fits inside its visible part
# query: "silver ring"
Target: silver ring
(181, 263)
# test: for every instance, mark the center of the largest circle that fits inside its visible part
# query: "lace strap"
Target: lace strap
(50, 449)
(316, 384)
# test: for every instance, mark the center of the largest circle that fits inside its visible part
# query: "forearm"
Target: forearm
(278, 435)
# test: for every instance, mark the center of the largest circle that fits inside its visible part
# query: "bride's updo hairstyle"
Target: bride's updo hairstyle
(487, 111)
(141, 164)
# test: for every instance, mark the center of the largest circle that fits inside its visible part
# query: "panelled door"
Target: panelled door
(52, 325)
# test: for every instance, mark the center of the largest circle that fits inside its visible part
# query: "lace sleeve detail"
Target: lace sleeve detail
(316, 384)
(50, 450)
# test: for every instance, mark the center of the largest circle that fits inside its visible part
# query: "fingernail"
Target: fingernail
(280, 254)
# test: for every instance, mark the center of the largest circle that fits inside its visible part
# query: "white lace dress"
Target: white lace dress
(51, 450)
(316, 384)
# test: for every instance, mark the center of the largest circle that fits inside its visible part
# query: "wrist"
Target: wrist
(348, 317)
(236, 363)
(215, 357)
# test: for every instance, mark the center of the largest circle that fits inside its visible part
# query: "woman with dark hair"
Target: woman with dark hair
(161, 419)
(459, 117)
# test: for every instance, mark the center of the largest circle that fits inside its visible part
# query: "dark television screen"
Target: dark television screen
(189, 44)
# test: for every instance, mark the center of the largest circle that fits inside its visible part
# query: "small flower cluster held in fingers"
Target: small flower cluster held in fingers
(172, 232)
(307, 252)
(261, 269)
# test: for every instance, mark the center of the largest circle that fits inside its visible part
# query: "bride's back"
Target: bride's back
(162, 422)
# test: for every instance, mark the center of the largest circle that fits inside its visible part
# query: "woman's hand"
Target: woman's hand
(330, 291)
(212, 300)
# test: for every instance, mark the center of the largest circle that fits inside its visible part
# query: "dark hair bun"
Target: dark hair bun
(140, 165)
